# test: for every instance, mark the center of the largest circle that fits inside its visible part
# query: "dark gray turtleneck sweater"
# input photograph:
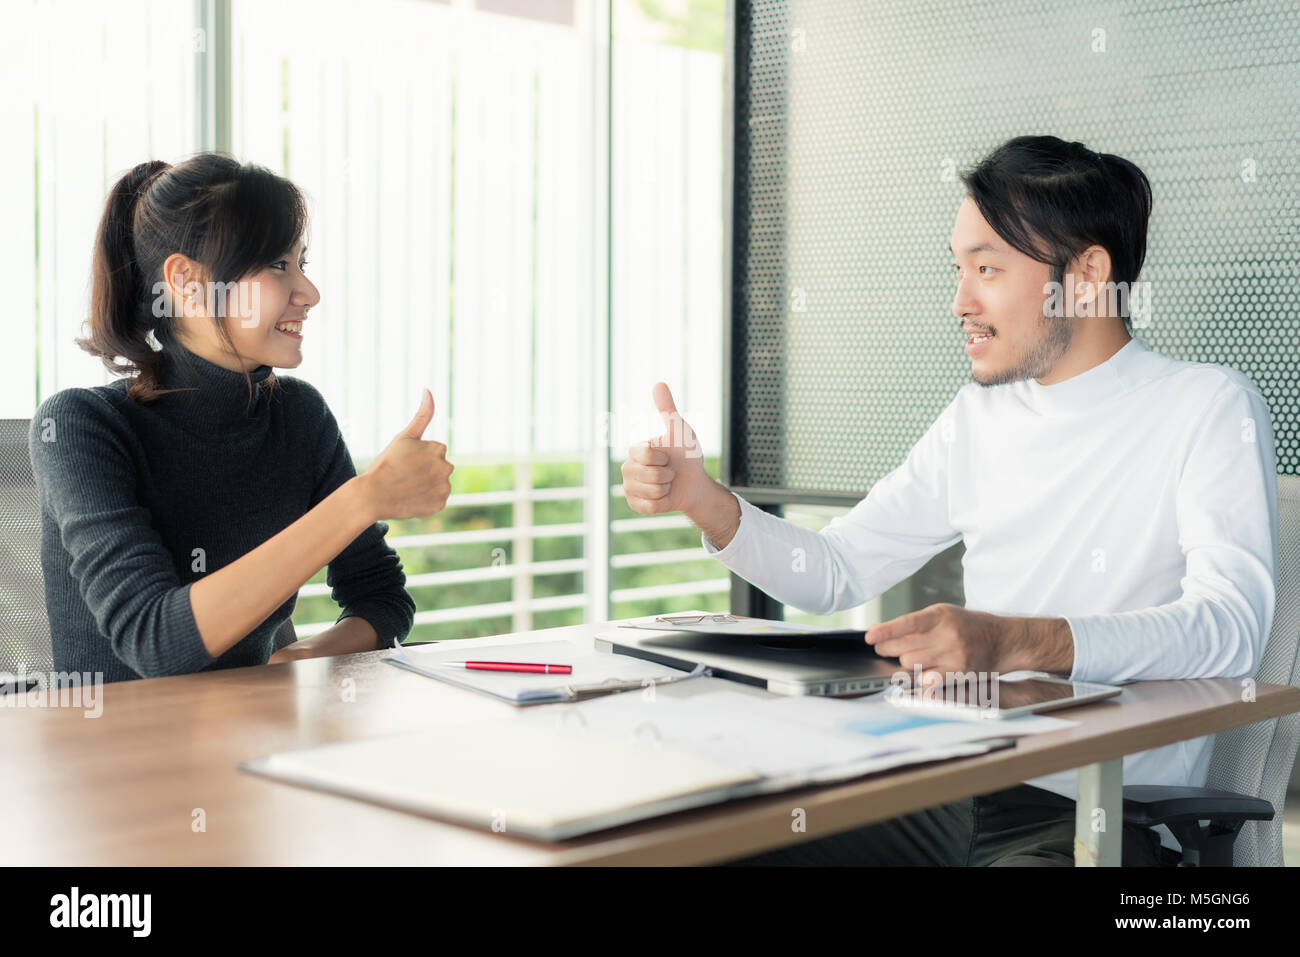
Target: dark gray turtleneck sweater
(139, 501)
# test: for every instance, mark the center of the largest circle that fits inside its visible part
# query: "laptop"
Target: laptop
(832, 665)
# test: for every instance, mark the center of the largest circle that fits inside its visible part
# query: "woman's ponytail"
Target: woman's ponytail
(120, 318)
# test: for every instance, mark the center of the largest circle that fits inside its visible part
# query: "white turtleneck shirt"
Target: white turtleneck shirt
(1137, 500)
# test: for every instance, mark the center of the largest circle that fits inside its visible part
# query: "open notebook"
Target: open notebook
(555, 773)
(514, 778)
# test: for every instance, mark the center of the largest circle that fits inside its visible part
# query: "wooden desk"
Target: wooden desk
(126, 788)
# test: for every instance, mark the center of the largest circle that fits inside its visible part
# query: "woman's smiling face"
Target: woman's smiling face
(265, 312)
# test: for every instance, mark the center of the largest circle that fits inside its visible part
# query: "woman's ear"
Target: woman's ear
(183, 282)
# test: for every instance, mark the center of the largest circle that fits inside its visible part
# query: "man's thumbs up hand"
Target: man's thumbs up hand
(677, 431)
(666, 473)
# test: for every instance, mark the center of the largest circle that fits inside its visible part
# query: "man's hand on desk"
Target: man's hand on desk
(351, 634)
(948, 638)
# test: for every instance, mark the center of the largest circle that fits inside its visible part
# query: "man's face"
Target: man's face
(1000, 294)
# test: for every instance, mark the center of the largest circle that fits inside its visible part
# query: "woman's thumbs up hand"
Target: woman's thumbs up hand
(411, 477)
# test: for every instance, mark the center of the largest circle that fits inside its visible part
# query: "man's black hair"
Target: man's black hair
(1051, 200)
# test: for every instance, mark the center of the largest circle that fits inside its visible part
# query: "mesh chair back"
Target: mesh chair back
(1257, 759)
(24, 627)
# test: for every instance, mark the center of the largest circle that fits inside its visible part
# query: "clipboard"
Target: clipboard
(519, 689)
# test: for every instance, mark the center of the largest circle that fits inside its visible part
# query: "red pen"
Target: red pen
(524, 666)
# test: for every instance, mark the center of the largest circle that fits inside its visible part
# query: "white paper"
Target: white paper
(802, 737)
(877, 717)
(766, 745)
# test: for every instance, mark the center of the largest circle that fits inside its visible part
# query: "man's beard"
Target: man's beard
(1051, 344)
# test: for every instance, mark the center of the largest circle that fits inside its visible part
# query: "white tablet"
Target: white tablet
(1001, 698)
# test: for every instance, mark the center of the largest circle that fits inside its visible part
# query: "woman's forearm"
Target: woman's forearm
(232, 601)
(344, 637)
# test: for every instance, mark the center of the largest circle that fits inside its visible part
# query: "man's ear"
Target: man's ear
(1091, 270)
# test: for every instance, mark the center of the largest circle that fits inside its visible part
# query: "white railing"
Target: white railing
(521, 573)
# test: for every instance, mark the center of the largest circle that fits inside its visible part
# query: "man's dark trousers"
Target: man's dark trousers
(1023, 826)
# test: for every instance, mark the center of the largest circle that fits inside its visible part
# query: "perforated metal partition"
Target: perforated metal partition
(850, 124)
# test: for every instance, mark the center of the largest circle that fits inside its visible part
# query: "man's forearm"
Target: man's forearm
(1038, 644)
(718, 517)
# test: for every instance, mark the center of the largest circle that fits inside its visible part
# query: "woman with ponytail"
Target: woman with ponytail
(184, 504)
